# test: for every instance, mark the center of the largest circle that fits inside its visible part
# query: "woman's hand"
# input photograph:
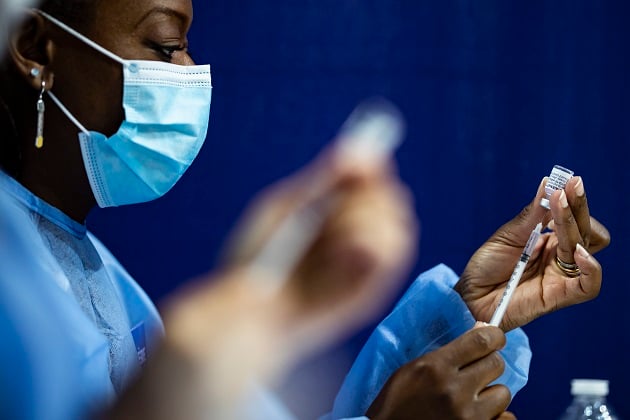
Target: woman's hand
(358, 257)
(251, 321)
(448, 383)
(544, 287)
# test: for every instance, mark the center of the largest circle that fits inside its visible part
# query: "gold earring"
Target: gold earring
(41, 108)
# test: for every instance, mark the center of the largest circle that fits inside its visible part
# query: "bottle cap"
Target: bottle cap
(597, 387)
(545, 203)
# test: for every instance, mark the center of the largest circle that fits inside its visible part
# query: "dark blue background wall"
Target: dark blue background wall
(495, 93)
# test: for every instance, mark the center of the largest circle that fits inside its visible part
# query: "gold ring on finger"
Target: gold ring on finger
(570, 269)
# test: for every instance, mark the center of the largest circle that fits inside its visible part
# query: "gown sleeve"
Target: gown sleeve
(428, 316)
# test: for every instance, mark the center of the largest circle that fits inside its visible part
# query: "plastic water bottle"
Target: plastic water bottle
(589, 401)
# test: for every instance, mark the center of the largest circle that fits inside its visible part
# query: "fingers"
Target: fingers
(590, 280)
(534, 212)
(494, 400)
(484, 371)
(576, 197)
(573, 223)
(474, 378)
(450, 382)
(474, 345)
(570, 218)
(328, 174)
(364, 247)
(357, 261)
(540, 213)
(587, 285)
(565, 225)
(600, 237)
(378, 217)
(592, 234)
(506, 415)
(333, 169)
(517, 231)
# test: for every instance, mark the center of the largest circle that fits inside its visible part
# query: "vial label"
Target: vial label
(557, 181)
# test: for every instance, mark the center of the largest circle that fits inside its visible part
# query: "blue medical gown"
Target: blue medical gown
(76, 327)
(428, 316)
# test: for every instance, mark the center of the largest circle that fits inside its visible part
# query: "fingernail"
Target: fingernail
(541, 186)
(563, 200)
(579, 187)
(582, 251)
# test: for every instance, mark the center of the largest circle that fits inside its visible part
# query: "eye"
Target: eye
(166, 52)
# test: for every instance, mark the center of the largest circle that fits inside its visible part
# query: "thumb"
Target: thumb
(590, 279)
(517, 230)
(534, 212)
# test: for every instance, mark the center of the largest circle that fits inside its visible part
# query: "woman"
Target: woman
(57, 176)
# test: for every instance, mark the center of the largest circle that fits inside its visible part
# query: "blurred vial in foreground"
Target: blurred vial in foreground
(589, 401)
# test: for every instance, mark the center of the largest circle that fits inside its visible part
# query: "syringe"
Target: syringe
(516, 276)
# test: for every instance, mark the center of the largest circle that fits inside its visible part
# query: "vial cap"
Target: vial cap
(545, 203)
(597, 387)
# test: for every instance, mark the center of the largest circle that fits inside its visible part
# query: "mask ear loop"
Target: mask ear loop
(68, 113)
(88, 42)
(83, 38)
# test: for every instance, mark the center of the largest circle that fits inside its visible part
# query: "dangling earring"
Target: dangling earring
(41, 108)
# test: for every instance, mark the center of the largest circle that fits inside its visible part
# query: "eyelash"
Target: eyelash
(167, 51)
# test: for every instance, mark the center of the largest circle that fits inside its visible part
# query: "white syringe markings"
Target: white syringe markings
(515, 278)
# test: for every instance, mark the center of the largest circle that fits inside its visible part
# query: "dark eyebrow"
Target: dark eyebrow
(165, 11)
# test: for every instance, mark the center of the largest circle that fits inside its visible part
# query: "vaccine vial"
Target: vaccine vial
(557, 181)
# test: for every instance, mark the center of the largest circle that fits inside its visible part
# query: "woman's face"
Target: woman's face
(89, 83)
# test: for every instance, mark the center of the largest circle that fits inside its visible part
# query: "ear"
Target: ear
(31, 50)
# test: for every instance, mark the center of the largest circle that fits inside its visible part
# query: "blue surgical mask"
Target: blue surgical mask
(167, 107)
